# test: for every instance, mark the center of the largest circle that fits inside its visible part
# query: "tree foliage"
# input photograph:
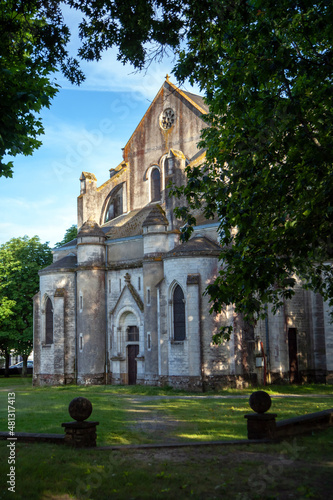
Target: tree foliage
(34, 44)
(267, 71)
(70, 234)
(24, 82)
(20, 261)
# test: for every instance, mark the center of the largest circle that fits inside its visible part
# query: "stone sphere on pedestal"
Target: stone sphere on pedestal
(260, 401)
(80, 409)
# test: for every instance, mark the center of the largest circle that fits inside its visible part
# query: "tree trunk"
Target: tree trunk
(24, 367)
(7, 356)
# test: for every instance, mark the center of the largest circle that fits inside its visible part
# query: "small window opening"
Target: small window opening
(132, 334)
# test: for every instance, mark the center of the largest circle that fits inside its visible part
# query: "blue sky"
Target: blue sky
(85, 129)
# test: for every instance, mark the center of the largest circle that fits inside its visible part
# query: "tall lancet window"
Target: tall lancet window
(155, 185)
(178, 314)
(48, 322)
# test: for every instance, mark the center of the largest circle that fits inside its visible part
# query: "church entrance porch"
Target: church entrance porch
(125, 366)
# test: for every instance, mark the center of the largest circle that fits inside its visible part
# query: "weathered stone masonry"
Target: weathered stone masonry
(127, 297)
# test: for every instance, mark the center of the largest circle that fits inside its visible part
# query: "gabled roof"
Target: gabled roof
(71, 243)
(127, 225)
(90, 228)
(156, 217)
(67, 263)
(199, 245)
(194, 100)
(134, 294)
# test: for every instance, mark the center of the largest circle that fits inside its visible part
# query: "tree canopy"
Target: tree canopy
(20, 261)
(70, 234)
(266, 70)
(34, 44)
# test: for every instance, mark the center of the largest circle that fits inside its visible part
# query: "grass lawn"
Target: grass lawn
(135, 415)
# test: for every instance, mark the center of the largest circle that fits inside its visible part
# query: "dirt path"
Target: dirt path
(152, 421)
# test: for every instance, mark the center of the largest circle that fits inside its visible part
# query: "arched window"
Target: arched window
(178, 314)
(155, 180)
(115, 205)
(48, 322)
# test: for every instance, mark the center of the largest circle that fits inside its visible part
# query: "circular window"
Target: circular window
(167, 118)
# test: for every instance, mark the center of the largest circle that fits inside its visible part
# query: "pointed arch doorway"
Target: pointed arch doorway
(129, 332)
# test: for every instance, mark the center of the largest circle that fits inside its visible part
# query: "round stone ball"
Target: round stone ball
(260, 401)
(80, 409)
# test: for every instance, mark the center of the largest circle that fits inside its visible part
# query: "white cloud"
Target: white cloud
(24, 204)
(47, 218)
(74, 149)
(109, 74)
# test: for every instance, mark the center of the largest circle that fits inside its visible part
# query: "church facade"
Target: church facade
(124, 303)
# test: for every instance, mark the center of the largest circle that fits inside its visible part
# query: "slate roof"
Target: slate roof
(90, 228)
(196, 245)
(127, 225)
(66, 263)
(197, 99)
(71, 243)
(155, 217)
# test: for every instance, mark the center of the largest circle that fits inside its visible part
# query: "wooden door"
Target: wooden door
(132, 352)
(293, 363)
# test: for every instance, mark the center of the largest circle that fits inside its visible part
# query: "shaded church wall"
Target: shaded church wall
(91, 326)
(55, 363)
(328, 342)
(125, 250)
(152, 275)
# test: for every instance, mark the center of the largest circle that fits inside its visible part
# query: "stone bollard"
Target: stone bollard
(260, 425)
(80, 434)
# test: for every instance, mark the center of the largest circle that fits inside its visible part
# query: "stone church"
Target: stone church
(124, 304)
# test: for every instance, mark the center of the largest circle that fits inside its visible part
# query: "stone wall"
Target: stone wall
(55, 363)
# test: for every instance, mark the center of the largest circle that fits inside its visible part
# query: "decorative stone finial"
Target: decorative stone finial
(81, 433)
(260, 401)
(127, 278)
(80, 409)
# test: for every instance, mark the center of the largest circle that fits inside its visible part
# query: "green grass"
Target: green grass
(303, 467)
(134, 415)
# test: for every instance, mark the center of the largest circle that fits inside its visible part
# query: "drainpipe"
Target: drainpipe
(75, 308)
(267, 336)
(201, 340)
(106, 314)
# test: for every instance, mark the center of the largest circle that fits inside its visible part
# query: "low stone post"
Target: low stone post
(80, 434)
(260, 425)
